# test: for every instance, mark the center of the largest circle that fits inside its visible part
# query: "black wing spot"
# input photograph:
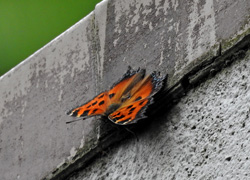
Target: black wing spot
(94, 111)
(89, 106)
(101, 103)
(111, 95)
(101, 96)
(130, 112)
(94, 103)
(75, 113)
(137, 99)
(85, 113)
(141, 103)
(132, 109)
(118, 113)
(119, 117)
(129, 106)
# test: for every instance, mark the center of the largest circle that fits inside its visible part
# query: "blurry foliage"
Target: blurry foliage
(27, 25)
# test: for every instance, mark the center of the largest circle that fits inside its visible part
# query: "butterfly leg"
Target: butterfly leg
(134, 134)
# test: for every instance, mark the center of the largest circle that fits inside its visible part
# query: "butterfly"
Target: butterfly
(126, 101)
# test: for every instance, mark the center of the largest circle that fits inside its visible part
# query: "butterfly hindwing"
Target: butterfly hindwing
(130, 113)
(96, 106)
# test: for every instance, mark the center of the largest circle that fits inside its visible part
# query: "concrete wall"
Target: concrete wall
(205, 135)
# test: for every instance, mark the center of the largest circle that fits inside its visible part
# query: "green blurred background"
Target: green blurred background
(27, 25)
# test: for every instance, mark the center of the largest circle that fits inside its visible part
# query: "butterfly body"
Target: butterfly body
(112, 108)
(126, 101)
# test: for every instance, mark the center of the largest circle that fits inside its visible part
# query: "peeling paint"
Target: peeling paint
(161, 58)
(60, 164)
(205, 21)
(73, 152)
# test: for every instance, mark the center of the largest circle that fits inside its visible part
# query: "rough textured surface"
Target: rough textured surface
(34, 96)
(173, 37)
(169, 36)
(205, 136)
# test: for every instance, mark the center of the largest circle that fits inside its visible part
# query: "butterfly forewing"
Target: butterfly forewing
(125, 85)
(142, 90)
(97, 106)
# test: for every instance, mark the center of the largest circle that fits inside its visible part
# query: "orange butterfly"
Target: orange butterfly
(126, 101)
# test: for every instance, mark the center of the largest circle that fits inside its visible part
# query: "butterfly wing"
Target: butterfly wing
(126, 101)
(130, 113)
(133, 109)
(96, 106)
(122, 87)
(101, 103)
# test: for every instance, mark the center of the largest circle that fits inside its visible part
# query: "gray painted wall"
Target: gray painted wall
(204, 136)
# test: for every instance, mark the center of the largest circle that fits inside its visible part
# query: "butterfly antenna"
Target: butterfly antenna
(68, 122)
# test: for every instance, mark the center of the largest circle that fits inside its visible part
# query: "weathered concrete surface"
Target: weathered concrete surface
(169, 36)
(205, 136)
(34, 138)
(173, 37)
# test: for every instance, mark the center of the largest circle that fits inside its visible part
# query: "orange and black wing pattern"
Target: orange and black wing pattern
(96, 106)
(133, 108)
(126, 101)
